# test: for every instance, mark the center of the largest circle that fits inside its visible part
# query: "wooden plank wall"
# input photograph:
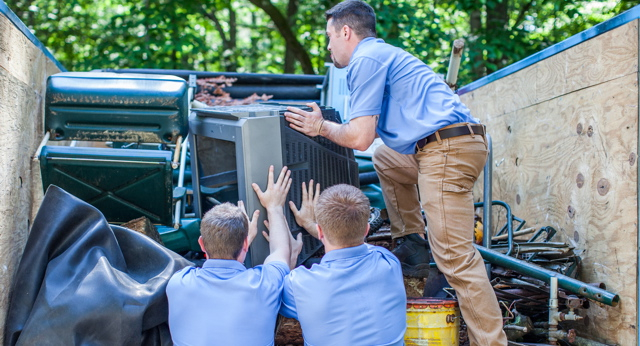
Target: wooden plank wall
(565, 147)
(23, 73)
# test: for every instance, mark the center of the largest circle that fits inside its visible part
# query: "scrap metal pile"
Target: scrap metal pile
(534, 277)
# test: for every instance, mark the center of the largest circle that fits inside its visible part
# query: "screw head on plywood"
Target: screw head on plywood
(580, 180)
(579, 128)
(632, 159)
(603, 186)
(571, 211)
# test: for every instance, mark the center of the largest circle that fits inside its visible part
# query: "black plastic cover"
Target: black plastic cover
(82, 281)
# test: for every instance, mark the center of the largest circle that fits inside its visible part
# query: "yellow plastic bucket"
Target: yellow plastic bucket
(432, 321)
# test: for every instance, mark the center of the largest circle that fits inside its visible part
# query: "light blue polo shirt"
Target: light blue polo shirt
(412, 101)
(224, 303)
(355, 296)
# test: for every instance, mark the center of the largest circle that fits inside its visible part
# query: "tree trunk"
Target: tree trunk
(289, 58)
(232, 43)
(475, 23)
(290, 38)
(229, 43)
(497, 29)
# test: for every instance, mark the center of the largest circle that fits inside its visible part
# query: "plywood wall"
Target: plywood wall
(23, 73)
(565, 147)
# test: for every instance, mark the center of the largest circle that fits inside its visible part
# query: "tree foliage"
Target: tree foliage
(287, 36)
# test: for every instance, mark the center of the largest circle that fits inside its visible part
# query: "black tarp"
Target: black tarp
(82, 281)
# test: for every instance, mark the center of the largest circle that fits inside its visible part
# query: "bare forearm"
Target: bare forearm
(346, 135)
(279, 234)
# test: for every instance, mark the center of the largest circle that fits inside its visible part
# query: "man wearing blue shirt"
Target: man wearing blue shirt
(224, 303)
(431, 140)
(355, 295)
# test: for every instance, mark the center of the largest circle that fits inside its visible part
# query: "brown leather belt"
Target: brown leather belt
(451, 132)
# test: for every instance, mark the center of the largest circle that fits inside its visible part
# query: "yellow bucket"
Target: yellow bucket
(432, 321)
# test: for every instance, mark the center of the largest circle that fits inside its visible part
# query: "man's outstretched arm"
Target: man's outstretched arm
(357, 134)
(273, 199)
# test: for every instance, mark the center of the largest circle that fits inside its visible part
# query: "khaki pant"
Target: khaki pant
(444, 174)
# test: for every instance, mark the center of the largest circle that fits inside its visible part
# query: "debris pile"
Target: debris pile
(534, 310)
(211, 92)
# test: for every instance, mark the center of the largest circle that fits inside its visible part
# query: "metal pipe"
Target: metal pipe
(454, 63)
(570, 337)
(537, 272)
(176, 154)
(183, 161)
(43, 142)
(509, 224)
(553, 310)
(367, 178)
(195, 175)
(515, 234)
(242, 78)
(279, 92)
(487, 197)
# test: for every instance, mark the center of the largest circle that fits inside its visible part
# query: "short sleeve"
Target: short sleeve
(288, 305)
(367, 79)
(274, 274)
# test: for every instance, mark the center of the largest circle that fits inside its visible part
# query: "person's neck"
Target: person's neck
(330, 247)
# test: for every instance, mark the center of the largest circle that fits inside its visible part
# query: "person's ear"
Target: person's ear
(346, 31)
(201, 242)
(245, 245)
(367, 231)
(320, 232)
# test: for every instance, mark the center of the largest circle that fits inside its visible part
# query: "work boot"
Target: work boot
(413, 253)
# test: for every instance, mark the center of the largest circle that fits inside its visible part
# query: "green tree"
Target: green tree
(278, 36)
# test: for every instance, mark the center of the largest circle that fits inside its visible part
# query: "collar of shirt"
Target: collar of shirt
(367, 39)
(224, 263)
(348, 252)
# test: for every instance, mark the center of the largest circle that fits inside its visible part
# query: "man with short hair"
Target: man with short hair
(434, 151)
(224, 303)
(355, 295)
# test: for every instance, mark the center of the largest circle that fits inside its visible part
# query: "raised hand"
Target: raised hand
(276, 193)
(305, 216)
(253, 222)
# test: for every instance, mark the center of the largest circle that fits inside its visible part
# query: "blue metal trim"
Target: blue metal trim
(576, 39)
(4, 9)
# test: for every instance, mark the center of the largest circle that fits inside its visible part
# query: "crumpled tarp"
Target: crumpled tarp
(83, 281)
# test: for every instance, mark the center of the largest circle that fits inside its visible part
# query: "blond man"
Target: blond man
(224, 303)
(355, 295)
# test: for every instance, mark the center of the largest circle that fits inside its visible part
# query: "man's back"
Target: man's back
(223, 303)
(355, 296)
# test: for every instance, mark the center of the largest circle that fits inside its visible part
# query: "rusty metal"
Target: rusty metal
(515, 234)
(532, 270)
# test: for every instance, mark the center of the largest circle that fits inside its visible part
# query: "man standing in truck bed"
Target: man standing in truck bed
(430, 140)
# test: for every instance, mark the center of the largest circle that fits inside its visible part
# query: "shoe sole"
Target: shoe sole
(416, 271)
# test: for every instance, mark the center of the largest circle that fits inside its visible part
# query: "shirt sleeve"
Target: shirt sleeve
(273, 276)
(367, 80)
(288, 305)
